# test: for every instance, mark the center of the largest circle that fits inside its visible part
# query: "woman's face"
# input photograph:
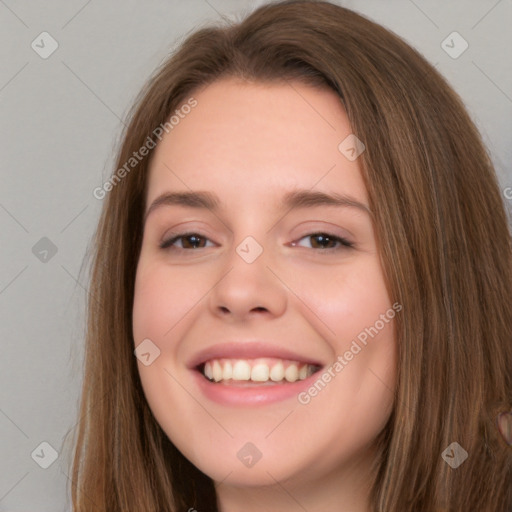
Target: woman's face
(267, 286)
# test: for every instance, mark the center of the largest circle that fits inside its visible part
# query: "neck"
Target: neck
(344, 489)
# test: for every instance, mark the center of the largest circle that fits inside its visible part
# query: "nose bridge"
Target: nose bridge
(247, 284)
(249, 250)
(250, 238)
(248, 262)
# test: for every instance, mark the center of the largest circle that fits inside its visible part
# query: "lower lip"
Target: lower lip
(227, 394)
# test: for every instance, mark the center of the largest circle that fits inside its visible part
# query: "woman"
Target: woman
(305, 247)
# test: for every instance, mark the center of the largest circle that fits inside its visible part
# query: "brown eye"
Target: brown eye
(189, 241)
(326, 241)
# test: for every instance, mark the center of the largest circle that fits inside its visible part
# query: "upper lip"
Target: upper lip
(247, 350)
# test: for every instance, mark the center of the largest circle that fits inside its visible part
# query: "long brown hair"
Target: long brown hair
(445, 247)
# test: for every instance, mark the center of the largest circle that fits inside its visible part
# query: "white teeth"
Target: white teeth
(277, 372)
(241, 371)
(208, 370)
(217, 371)
(262, 370)
(291, 373)
(228, 371)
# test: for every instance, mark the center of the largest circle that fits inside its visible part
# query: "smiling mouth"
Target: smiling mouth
(255, 372)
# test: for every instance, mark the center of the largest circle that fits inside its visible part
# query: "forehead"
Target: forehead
(246, 141)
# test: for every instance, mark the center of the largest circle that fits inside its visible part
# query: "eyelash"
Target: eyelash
(345, 244)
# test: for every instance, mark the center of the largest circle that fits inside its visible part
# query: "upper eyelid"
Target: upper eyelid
(310, 230)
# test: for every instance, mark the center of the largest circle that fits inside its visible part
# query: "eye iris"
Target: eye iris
(191, 237)
(322, 238)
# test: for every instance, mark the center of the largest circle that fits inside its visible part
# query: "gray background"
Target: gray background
(60, 120)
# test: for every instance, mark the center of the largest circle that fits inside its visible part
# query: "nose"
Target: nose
(248, 289)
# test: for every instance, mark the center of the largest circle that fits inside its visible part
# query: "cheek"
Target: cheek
(174, 409)
(150, 306)
(346, 299)
(355, 314)
(163, 297)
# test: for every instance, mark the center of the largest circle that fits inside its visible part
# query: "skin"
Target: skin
(249, 143)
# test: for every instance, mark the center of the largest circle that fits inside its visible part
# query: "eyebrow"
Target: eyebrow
(292, 200)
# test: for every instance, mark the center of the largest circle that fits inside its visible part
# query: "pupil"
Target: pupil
(322, 238)
(194, 239)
